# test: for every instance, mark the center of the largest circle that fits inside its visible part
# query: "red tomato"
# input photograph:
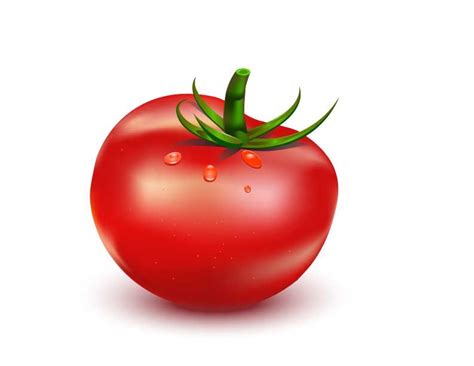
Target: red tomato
(208, 244)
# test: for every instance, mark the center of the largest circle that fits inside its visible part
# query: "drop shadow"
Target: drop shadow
(297, 303)
(228, 153)
(285, 147)
(194, 142)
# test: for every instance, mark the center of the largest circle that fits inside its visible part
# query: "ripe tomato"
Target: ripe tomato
(215, 244)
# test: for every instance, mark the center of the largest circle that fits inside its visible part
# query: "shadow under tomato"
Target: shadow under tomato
(300, 301)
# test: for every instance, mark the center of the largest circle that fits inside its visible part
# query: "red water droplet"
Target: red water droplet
(210, 173)
(247, 189)
(172, 158)
(251, 159)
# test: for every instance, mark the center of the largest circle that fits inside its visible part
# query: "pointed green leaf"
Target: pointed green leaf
(208, 111)
(274, 123)
(285, 140)
(219, 137)
(189, 126)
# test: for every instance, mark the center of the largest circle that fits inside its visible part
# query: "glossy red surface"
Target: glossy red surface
(208, 245)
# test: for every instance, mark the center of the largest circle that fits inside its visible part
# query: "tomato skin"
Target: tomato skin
(208, 245)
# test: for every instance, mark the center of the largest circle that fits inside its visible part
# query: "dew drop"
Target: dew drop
(210, 173)
(247, 189)
(172, 158)
(251, 159)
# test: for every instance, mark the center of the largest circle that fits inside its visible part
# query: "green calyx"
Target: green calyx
(231, 128)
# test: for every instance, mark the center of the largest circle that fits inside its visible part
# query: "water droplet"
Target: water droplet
(197, 255)
(210, 173)
(173, 278)
(248, 189)
(172, 158)
(251, 159)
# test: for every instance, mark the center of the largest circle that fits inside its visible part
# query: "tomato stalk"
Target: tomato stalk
(234, 122)
(232, 130)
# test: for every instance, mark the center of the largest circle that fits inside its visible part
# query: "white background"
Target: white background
(394, 282)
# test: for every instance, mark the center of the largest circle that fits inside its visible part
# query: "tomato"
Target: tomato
(216, 243)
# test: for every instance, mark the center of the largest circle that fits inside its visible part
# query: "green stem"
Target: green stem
(232, 129)
(234, 123)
